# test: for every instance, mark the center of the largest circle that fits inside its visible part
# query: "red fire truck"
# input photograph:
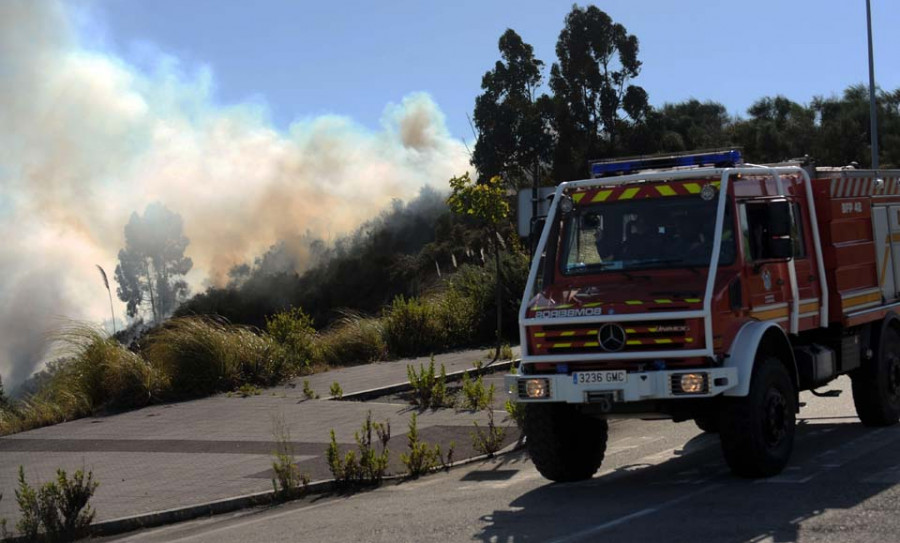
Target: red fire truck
(702, 287)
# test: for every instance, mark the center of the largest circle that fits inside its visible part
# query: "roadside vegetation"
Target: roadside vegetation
(288, 481)
(57, 511)
(195, 356)
(368, 464)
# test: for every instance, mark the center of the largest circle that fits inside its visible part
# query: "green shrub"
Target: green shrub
(92, 372)
(515, 411)
(475, 396)
(422, 457)
(506, 352)
(336, 391)
(428, 389)
(288, 482)
(353, 340)
(293, 331)
(308, 392)
(365, 466)
(477, 284)
(457, 316)
(103, 370)
(59, 510)
(4, 534)
(200, 355)
(413, 327)
(488, 440)
(246, 390)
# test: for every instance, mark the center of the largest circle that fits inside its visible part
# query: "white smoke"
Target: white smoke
(87, 139)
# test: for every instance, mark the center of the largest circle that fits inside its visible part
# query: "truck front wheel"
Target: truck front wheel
(564, 444)
(876, 385)
(757, 431)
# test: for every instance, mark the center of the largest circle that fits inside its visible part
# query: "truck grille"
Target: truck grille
(639, 336)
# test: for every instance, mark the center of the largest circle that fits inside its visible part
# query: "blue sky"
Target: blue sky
(303, 58)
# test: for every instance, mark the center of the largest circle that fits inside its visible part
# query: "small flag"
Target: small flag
(103, 274)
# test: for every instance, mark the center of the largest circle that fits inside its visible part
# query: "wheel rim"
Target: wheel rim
(893, 380)
(776, 418)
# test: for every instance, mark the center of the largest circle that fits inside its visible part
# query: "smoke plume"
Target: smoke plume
(87, 139)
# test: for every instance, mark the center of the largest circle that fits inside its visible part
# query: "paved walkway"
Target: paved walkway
(176, 455)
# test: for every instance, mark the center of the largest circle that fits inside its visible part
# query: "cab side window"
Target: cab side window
(765, 233)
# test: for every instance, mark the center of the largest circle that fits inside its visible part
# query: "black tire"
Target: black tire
(564, 444)
(757, 431)
(709, 423)
(876, 385)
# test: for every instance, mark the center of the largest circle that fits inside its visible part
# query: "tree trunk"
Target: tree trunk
(150, 290)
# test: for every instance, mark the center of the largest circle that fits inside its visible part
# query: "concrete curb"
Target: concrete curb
(228, 505)
(364, 395)
(246, 501)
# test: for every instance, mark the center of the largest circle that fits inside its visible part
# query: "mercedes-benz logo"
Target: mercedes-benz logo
(611, 337)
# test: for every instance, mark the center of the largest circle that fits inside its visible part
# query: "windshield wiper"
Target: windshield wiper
(605, 266)
(691, 267)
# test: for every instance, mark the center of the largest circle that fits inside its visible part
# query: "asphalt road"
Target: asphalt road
(661, 482)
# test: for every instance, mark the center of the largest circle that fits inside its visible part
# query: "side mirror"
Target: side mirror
(779, 219)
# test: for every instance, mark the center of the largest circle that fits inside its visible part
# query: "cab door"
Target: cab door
(768, 249)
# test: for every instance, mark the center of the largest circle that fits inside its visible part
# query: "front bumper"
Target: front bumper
(639, 386)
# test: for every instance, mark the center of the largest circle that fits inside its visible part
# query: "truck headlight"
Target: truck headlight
(690, 383)
(534, 388)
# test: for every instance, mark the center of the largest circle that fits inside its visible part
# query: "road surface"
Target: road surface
(661, 481)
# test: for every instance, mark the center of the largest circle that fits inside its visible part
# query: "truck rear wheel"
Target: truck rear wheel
(757, 431)
(564, 444)
(876, 386)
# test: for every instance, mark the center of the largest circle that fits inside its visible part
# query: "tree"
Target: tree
(483, 202)
(844, 129)
(778, 129)
(152, 262)
(511, 124)
(590, 83)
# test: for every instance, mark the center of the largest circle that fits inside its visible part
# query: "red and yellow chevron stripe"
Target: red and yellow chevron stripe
(594, 195)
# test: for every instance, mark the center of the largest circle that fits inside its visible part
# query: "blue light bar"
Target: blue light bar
(718, 159)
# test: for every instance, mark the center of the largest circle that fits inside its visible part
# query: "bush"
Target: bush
(288, 482)
(457, 316)
(246, 390)
(336, 391)
(515, 411)
(4, 534)
(353, 340)
(475, 396)
(308, 392)
(477, 284)
(429, 390)
(412, 327)
(93, 372)
(488, 440)
(293, 331)
(421, 458)
(200, 355)
(101, 370)
(59, 509)
(369, 466)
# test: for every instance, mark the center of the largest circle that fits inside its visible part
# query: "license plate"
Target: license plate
(599, 377)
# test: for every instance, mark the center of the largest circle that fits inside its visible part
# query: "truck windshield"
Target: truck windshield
(672, 232)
